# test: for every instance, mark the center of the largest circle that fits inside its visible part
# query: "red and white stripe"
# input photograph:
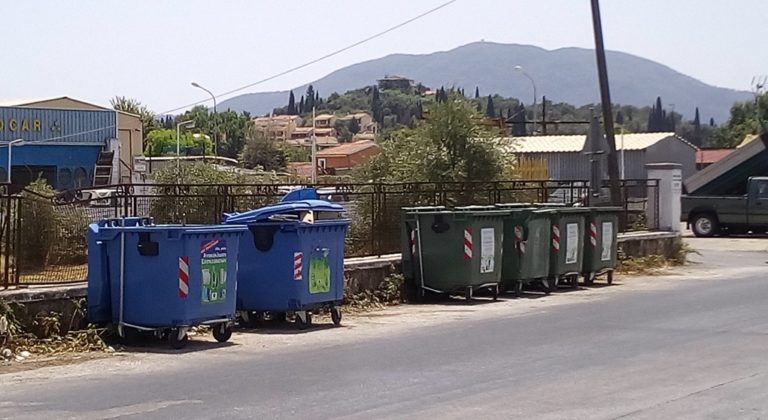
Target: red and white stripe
(298, 266)
(183, 277)
(413, 242)
(593, 234)
(468, 244)
(519, 239)
(556, 238)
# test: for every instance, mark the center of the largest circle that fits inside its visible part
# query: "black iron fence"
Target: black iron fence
(43, 238)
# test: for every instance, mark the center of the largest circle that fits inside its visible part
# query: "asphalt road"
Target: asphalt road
(694, 349)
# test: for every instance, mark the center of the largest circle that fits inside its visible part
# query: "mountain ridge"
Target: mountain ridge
(564, 74)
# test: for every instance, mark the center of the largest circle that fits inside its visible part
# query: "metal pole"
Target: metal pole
(622, 154)
(314, 150)
(605, 98)
(535, 96)
(178, 145)
(216, 120)
(10, 160)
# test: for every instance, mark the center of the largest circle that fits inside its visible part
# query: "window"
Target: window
(65, 178)
(81, 178)
(321, 163)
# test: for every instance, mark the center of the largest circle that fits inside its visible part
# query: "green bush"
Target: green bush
(204, 194)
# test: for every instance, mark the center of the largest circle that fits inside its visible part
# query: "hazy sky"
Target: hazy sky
(152, 50)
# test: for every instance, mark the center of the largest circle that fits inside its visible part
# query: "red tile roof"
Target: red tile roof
(712, 155)
(348, 148)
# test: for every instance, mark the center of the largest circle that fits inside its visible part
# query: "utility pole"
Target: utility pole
(605, 98)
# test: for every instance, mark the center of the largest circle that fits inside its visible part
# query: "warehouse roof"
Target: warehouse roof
(575, 143)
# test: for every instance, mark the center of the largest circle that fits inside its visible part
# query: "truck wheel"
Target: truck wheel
(704, 225)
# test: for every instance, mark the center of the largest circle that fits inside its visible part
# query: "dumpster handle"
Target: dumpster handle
(421, 263)
(122, 278)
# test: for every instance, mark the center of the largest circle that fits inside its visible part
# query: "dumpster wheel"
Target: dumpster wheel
(305, 321)
(518, 289)
(610, 277)
(336, 315)
(178, 338)
(222, 332)
(575, 281)
(589, 279)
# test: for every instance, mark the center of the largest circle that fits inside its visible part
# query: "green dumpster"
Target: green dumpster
(408, 246)
(600, 243)
(567, 246)
(457, 250)
(526, 246)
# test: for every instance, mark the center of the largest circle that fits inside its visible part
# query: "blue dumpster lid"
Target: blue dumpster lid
(300, 194)
(289, 208)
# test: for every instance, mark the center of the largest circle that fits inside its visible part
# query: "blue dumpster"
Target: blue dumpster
(163, 278)
(292, 261)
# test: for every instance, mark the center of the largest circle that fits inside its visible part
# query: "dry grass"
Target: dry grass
(55, 274)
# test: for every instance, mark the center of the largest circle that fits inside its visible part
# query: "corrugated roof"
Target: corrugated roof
(575, 143)
(348, 149)
(712, 155)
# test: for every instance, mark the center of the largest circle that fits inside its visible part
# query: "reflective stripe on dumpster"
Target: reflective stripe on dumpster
(183, 277)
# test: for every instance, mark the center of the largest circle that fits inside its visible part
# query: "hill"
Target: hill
(563, 75)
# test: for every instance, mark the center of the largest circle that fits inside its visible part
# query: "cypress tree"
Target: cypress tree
(309, 103)
(711, 122)
(301, 105)
(619, 117)
(291, 104)
(697, 140)
(376, 105)
(477, 92)
(490, 111)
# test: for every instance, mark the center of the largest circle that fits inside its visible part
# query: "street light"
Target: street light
(216, 120)
(188, 124)
(520, 69)
(10, 147)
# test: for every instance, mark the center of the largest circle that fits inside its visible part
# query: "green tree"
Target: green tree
(376, 105)
(291, 104)
(477, 92)
(309, 102)
(133, 106)
(490, 111)
(454, 142)
(746, 118)
(696, 139)
(263, 152)
(301, 105)
(162, 142)
(353, 126)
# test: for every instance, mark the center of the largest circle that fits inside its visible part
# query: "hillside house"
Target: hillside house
(277, 127)
(347, 156)
(392, 82)
(325, 120)
(364, 121)
(565, 159)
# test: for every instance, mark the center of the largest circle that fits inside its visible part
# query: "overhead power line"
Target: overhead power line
(319, 59)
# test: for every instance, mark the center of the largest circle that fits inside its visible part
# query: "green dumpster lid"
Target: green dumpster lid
(475, 208)
(607, 209)
(551, 205)
(573, 210)
(514, 205)
(422, 209)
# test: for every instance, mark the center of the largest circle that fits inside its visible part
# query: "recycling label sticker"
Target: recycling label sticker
(213, 263)
(319, 273)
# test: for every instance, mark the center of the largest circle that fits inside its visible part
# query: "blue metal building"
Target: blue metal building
(61, 145)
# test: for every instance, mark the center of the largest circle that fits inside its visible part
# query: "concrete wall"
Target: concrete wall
(672, 149)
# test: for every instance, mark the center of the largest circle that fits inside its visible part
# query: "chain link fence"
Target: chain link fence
(43, 236)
